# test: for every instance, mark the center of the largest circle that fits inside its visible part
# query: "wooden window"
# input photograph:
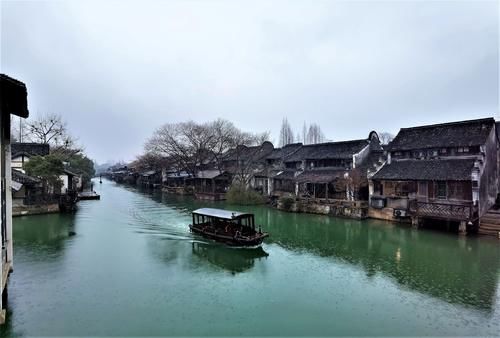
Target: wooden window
(389, 188)
(432, 190)
(404, 188)
(443, 150)
(422, 189)
(466, 149)
(456, 190)
(441, 191)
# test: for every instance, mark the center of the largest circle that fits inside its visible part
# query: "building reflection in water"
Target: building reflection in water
(462, 270)
(456, 269)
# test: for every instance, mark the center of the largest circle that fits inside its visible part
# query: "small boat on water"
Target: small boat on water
(229, 227)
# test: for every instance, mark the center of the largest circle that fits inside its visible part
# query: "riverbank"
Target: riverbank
(30, 210)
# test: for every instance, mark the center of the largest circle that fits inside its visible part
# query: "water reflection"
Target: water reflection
(44, 233)
(455, 269)
(230, 259)
(40, 245)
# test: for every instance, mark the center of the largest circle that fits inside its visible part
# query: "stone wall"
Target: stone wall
(386, 214)
(356, 210)
(35, 209)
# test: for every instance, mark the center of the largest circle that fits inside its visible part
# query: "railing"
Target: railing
(450, 211)
(333, 201)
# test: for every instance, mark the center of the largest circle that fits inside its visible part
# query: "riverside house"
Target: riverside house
(211, 184)
(329, 178)
(445, 172)
(22, 152)
(245, 163)
(14, 102)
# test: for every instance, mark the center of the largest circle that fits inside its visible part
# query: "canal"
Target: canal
(127, 265)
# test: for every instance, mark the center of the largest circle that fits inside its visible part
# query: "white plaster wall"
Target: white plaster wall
(64, 187)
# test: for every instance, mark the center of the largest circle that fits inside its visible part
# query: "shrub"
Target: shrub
(240, 194)
(287, 202)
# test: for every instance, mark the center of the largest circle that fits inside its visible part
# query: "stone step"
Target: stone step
(493, 211)
(492, 227)
(489, 219)
(488, 232)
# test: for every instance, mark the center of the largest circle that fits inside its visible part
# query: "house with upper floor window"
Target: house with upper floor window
(444, 172)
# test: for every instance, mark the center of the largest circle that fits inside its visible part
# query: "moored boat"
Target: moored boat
(229, 227)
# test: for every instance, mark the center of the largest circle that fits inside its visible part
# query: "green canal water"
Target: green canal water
(127, 265)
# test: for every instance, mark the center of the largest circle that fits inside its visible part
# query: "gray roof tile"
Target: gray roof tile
(439, 170)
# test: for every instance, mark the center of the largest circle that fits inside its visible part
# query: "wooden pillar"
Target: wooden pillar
(326, 191)
(213, 186)
(415, 222)
(462, 228)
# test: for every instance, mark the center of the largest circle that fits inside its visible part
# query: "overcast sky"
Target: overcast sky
(117, 70)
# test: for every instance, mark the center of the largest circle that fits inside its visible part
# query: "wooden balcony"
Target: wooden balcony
(456, 211)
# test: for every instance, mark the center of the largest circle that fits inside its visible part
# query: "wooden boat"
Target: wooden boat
(229, 227)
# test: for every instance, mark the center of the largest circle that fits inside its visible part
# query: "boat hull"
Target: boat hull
(254, 240)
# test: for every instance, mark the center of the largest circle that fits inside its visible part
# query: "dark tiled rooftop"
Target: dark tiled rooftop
(30, 149)
(454, 134)
(456, 170)
(320, 175)
(330, 150)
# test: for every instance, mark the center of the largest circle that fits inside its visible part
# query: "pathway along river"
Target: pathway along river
(127, 265)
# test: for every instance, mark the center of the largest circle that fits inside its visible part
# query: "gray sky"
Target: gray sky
(118, 70)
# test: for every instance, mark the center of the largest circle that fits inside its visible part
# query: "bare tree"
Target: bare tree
(304, 133)
(315, 135)
(47, 129)
(260, 138)
(190, 145)
(150, 161)
(183, 142)
(52, 129)
(286, 133)
(385, 137)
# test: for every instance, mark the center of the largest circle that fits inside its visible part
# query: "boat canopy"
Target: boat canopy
(222, 214)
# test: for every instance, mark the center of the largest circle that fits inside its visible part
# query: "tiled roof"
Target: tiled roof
(20, 177)
(29, 149)
(329, 150)
(439, 170)
(284, 152)
(286, 174)
(320, 175)
(14, 97)
(208, 174)
(270, 173)
(245, 153)
(454, 134)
